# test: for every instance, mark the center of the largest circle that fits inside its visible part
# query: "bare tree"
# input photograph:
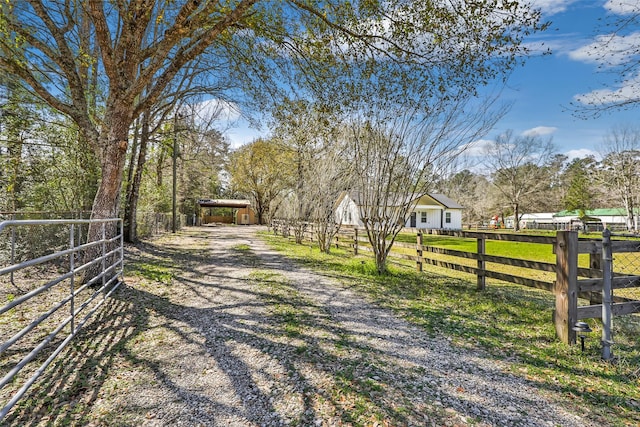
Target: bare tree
(331, 174)
(320, 168)
(519, 166)
(399, 153)
(470, 190)
(619, 170)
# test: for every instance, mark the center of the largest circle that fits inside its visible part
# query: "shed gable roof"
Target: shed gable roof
(224, 203)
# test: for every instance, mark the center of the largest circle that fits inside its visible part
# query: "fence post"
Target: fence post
(104, 259)
(566, 286)
(607, 273)
(419, 242)
(355, 240)
(121, 251)
(481, 264)
(595, 263)
(72, 279)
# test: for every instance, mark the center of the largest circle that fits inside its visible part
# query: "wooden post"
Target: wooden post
(566, 286)
(355, 241)
(607, 294)
(481, 264)
(419, 251)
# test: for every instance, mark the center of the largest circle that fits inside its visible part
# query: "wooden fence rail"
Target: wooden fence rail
(567, 281)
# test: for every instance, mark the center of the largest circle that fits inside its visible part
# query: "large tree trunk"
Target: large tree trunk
(135, 141)
(107, 200)
(381, 257)
(131, 207)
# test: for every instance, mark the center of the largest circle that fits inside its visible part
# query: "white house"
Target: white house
(432, 211)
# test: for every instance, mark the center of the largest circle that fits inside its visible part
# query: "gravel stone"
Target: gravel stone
(214, 352)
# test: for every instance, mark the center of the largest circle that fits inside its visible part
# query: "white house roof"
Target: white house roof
(441, 199)
(445, 201)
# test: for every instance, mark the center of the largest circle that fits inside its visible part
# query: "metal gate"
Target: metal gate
(51, 282)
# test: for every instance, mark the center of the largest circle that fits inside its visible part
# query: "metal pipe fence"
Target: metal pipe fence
(51, 282)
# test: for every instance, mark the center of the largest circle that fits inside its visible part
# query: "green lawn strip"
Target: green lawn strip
(510, 322)
(519, 250)
(628, 263)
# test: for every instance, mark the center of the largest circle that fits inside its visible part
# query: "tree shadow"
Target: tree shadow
(338, 365)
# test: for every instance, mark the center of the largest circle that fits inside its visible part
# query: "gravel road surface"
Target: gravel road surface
(240, 336)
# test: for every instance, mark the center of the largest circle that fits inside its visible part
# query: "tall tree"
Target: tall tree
(581, 190)
(314, 136)
(519, 166)
(263, 171)
(620, 170)
(470, 190)
(104, 63)
(398, 153)
(49, 46)
(17, 124)
(203, 156)
(43, 165)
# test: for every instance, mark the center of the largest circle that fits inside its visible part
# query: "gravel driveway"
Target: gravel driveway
(240, 336)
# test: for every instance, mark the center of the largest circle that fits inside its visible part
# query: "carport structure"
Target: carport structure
(241, 212)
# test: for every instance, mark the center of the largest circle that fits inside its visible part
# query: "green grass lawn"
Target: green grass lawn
(508, 322)
(522, 250)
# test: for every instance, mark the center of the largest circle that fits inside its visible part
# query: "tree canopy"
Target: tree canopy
(104, 63)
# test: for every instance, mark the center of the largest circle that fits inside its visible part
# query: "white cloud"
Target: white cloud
(627, 91)
(540, 131)
(608, 49)
(622, 7)
(476, 148)
(551, 7)
(243, 134)
(581, 153)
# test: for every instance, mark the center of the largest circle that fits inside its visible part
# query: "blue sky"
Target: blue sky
(544, 88)
(541, 91)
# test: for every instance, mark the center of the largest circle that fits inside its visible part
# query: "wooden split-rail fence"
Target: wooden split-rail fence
(570, 283)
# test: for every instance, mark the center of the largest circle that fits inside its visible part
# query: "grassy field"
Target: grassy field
(509, 322)
(522, 250)
(627, 263)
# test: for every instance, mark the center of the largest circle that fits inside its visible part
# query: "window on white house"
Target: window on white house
(423, 217)
(447, 217)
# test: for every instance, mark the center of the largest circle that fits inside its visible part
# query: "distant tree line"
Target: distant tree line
(99, 109)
